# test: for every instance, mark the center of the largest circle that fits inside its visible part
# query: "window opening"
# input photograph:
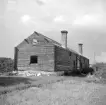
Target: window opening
(33, 59)
(70, 53)
(34, 41)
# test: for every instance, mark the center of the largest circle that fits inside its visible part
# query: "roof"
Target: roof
(42, 37)
(39, 37)
(49, 39)
(56, 43)
(72, 51)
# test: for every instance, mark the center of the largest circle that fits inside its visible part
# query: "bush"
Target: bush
(88, 70)
(100, 69)
(6, 65)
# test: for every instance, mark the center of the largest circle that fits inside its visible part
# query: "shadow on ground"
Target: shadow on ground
(74, 74)
(80, 73)
(8, 81)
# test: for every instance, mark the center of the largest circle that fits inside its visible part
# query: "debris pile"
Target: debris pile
(37, 73)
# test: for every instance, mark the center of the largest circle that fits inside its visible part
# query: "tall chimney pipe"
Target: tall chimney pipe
(64, 38)
(80, 45)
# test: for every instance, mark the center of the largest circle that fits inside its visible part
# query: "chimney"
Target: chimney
(80, 45)
(64, 38)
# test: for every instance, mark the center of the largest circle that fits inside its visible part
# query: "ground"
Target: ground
(66, 91)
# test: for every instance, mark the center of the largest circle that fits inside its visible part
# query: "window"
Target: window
(33, 59)
(70, 53)
(81, 65)
(74, 63)
(34, 42)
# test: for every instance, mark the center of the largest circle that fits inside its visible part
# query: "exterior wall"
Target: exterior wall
(78, 62)
(51, 57)
(84, 62)
(63, 59)
(87, 63)
(45, 55)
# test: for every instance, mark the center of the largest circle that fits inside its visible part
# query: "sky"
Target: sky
(85, 21)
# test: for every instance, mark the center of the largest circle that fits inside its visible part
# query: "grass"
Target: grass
(12, 83)
(45, 90)
(71, 91)
(8, 84)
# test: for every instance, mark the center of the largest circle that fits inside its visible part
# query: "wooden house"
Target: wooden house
(40, 53)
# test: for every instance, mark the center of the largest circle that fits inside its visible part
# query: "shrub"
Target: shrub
(87, 70)
(100, 69)
(6, 65)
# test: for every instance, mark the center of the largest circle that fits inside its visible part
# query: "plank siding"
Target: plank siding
(50, 55)
(63, 60)
(45, 55)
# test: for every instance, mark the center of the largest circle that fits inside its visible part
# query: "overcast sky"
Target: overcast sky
(85, 21)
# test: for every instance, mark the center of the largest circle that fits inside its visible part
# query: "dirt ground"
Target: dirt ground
(68, 92)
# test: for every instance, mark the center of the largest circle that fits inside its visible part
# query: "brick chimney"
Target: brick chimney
(80, 45)
(64, 38)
